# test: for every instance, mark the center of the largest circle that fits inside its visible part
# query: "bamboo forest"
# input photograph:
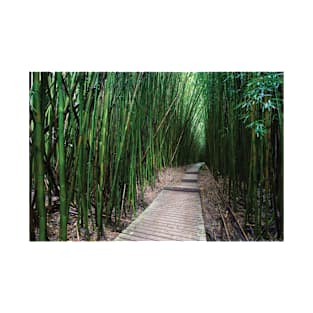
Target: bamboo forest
(156, 156)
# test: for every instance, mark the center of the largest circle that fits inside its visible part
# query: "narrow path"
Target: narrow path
(175, 214)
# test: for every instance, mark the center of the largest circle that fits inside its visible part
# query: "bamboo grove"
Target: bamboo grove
(244, 145)
(97, 138)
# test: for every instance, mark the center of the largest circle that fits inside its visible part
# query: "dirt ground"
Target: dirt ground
(219, 219)
(211, 203)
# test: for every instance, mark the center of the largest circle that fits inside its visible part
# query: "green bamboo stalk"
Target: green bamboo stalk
(38, 151)
(63, 203)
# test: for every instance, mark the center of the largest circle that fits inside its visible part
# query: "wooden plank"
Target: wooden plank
(145, 232)
(188, 223)
(192, 172)
(134, 237)
(174, 216)
(170, 226)
(189, 234)
(190, 176)
(181, 188)
(145, 236)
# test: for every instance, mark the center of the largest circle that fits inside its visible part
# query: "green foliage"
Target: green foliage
(244, 144)
(98, 138)
(259, 128)
(108, 134)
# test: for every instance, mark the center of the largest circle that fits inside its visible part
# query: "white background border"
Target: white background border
(156, 36)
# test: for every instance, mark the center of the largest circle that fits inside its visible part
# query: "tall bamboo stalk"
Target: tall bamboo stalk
(38, 151)
(63, 203)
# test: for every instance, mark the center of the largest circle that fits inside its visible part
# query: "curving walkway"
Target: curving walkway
(175, 214)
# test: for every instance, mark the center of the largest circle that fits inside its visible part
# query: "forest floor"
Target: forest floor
(221, 223)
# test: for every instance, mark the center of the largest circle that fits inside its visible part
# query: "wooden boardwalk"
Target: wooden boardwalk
(175, 214)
